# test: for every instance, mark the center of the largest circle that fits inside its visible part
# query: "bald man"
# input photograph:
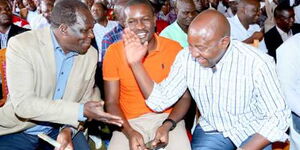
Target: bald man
(177, 31)
(234, 85)
(243, 24)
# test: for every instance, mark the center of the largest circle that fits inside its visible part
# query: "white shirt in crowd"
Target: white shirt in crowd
(288, 67)
(31, 16)
(39, 22)
(239, 32)
(100, 31)
(239, 98)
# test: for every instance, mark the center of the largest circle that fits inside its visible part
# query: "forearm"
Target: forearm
(115, 109)
(181, 107)
(249, 40)
(257, 142)
(143, 79)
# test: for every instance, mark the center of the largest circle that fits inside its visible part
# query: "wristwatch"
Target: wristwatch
(172, 121)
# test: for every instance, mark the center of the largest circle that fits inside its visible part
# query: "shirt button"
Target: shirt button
(58, 90)
(62, 73)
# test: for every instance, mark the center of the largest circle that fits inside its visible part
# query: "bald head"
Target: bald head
(210, 24)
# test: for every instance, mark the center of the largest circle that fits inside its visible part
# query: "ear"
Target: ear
(63, 29)
(225, 42)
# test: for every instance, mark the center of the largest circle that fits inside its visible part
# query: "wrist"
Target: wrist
(239, 148)
(169, 122)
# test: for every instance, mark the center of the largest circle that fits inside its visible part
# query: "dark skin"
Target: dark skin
(99, 14)
(285, 20)
(248, 13)
(77, 38)
(208, 28)
(5, 16)
(141, 18)
(186, 12)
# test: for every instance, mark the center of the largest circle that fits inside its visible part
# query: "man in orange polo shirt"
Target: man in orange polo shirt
(122, 93)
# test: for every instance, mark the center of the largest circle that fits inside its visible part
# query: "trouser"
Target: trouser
(147, 125)
(295, 132)
(215, 141)
(24, 141)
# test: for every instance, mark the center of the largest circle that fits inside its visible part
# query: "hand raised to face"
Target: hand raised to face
(135, 51)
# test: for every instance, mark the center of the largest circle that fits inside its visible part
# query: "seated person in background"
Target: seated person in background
(30, 11)
(50, 78)
(43, 19)
(177, 31)
(122, 93)
(243, 25)
(7, 28)
(234, 85)
(285, 28)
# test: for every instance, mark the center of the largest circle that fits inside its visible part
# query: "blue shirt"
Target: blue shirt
(64, 62)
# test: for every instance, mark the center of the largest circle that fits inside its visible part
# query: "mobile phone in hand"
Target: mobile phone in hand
(157, 147)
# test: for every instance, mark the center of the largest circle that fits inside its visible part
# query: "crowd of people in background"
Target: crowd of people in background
(173, 74)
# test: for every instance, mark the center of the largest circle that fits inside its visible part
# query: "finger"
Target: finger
(109, 116)
(115, 123)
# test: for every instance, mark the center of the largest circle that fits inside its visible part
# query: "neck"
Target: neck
(184, 28)
(152, 44)
(59, 41)
(243, 21)
(4, 28)
(103, 22)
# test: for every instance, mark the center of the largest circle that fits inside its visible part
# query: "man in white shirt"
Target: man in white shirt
(288, 70)
(242, 25)
(43, 19)
(234, 85)
(102, 25)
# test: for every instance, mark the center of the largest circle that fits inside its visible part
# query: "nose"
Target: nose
(140, 24)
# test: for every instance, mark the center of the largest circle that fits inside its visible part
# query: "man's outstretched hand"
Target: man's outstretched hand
(94, 110)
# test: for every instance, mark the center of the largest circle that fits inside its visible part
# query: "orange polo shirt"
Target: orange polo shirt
(157, 64)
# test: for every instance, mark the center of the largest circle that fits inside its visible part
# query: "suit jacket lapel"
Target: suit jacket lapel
(48, 51)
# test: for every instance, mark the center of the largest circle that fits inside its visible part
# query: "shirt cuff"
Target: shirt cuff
(80, 114)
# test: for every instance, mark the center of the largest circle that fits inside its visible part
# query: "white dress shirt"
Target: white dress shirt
(284, 36)
(238, 31)
(100, 30)
(288, 67)
(39, 22)
(240, 98)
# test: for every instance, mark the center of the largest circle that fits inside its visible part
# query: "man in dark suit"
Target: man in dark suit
(284, 28)
(7, 28)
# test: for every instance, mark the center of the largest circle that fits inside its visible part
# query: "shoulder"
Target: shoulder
(169, 44)
(250, 53)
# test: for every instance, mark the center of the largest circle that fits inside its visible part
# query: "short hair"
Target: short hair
(65, 12)
(139, 2)
(104, 7)
(280, 8)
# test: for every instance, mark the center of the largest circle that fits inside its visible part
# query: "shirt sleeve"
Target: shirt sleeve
(167, 92)
(288, 72)
(274, 111)
(81, 113)
(110, 68)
